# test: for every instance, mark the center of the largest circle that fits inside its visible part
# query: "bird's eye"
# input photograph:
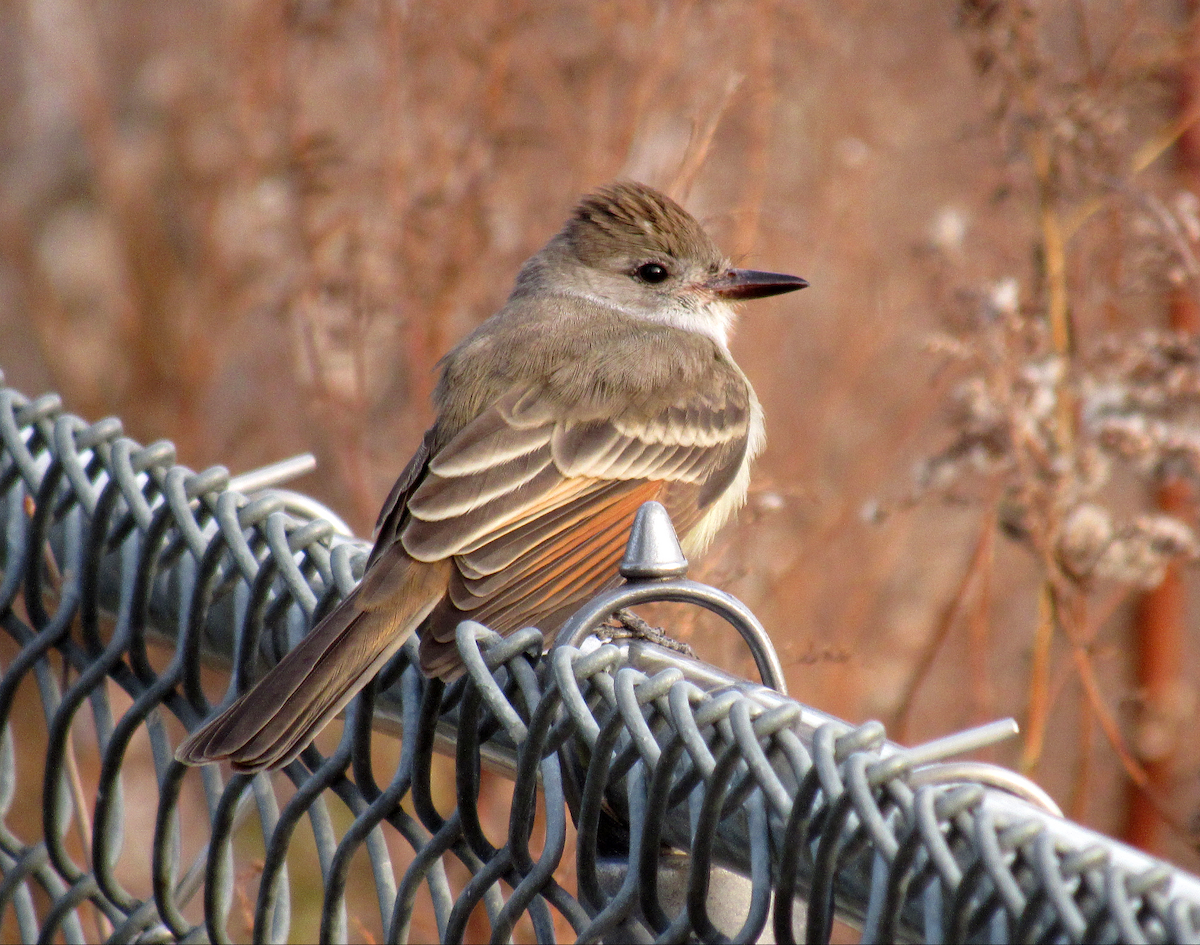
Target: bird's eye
(651, 272)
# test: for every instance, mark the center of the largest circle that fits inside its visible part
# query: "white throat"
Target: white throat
(713, 319)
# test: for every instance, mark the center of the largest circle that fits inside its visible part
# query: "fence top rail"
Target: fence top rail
(122, 575)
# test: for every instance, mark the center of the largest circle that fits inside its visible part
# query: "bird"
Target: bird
(605, 381)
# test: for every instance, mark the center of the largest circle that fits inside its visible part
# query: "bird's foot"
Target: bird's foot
(626, 625)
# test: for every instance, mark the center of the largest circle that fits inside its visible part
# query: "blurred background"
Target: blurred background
(252, 228)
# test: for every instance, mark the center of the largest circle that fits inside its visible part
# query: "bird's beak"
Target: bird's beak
(738, 284)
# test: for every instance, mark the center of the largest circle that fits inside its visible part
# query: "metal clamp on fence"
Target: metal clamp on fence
(653, 797)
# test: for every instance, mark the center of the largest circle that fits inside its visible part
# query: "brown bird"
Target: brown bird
(604, 381)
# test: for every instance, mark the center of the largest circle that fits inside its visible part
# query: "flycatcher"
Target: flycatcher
(604, 381)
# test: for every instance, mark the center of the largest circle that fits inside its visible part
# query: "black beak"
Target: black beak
(738, 284)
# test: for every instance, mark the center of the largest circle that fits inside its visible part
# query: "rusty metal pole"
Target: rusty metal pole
(1161, 616)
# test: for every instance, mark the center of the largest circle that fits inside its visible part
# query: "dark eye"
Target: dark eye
(652, 273)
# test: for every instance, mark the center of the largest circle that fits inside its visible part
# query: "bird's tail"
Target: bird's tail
(273, 722)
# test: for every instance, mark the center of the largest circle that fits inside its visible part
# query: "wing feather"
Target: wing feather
(433, 540)
(534, 504)
(505, 548)
(442, 496)
(581, 447)
(539, 551)
(529, 590)
(395, 507)
(498, 442)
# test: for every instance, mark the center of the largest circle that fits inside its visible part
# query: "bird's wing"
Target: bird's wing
(535, 508)
(392, 514)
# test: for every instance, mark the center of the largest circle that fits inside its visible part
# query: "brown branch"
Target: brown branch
(1039, 681)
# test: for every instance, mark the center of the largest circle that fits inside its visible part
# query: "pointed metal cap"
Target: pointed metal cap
(653, 549)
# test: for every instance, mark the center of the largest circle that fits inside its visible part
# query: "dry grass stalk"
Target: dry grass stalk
(1055, 418)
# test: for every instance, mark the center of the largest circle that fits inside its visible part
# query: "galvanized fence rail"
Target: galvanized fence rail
(699, 806)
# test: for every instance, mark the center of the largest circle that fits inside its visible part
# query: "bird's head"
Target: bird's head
(631, 248)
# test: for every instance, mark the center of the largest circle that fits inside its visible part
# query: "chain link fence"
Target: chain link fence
(652, 797)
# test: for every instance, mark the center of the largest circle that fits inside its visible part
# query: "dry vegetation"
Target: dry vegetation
(253, 228)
